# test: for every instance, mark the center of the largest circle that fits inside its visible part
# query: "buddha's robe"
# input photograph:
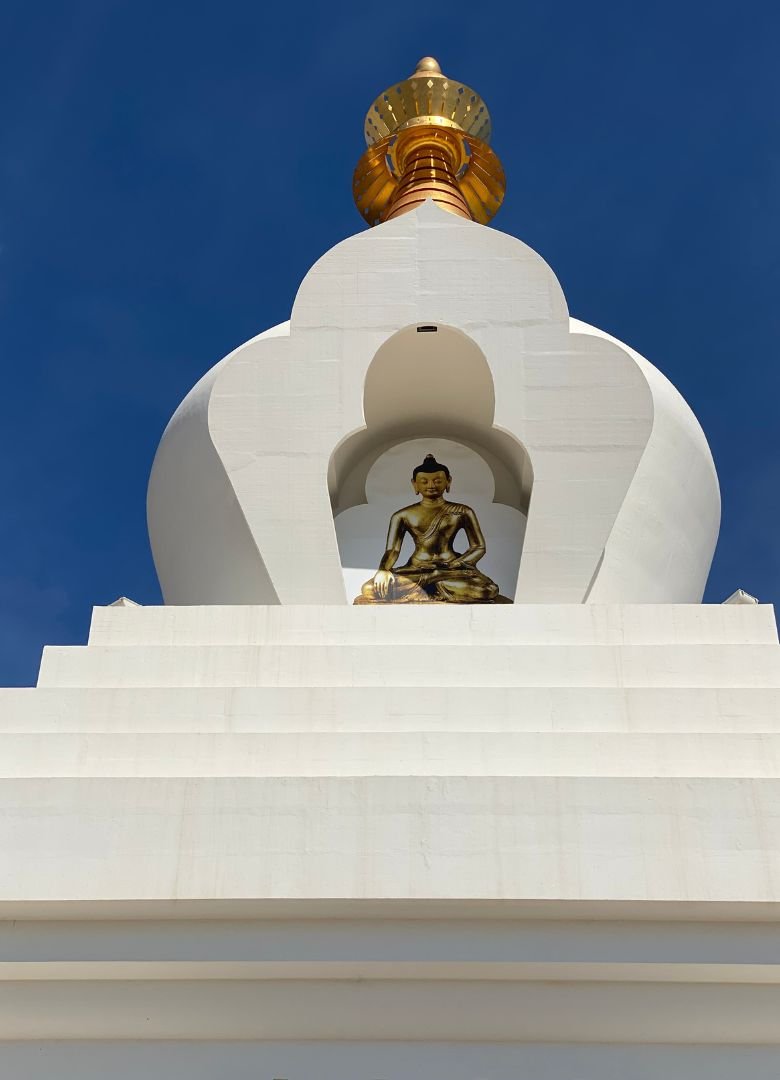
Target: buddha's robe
(430, 576)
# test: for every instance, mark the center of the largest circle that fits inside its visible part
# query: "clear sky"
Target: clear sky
(169, 171)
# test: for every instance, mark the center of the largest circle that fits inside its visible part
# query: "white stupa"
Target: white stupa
(263, 832)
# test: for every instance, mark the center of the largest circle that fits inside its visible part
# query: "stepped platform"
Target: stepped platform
(563, 818)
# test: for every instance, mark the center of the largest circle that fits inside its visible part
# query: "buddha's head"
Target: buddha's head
(431, 479)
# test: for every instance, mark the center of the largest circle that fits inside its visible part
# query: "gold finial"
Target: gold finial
(428, 138)
(427, 66)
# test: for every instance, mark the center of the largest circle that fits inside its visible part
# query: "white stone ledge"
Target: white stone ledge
(397, 709)
(428, 934)
(251, 1059)
(714, 913)
(553, 1012)
(295, 754)
(561, 624)
(381, 667)
(390, 837)
(340, 971)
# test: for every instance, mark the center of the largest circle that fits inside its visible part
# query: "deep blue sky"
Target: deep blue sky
(168, 173)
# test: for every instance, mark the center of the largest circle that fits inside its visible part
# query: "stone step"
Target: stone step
(437, 838)
(388, 754)
(434, 665)
(376, 932)
(396, 709)
(447, 624)
(673, 1041)
(542, 1024)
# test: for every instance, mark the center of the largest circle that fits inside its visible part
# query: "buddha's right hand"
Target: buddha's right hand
(383, 583)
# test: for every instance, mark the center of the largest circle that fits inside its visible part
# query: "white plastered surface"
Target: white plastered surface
(624, 506)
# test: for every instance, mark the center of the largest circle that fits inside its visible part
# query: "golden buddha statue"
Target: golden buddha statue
(435, 573)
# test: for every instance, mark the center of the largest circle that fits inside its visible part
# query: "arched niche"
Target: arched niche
(429, 383)
(428, 389)
(361, 530)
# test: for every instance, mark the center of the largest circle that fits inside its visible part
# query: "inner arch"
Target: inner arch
(429, 383)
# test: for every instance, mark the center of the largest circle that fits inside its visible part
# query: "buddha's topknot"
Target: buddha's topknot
(430, 465)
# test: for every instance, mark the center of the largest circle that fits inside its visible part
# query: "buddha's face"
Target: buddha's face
(431, 485)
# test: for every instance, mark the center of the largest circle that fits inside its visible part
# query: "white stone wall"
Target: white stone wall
(385, 1061)
(624, 506)
(496, 842)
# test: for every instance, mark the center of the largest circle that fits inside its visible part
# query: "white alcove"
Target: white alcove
(429, 381)
(362, 530)
(432, 327)
(428, 389)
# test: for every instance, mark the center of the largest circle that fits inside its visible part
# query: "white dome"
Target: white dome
(625, 504)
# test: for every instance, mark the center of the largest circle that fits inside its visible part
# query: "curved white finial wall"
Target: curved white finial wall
(203, 550)
(625, 503)
(661, 546)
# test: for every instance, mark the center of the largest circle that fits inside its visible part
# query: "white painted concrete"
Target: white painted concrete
(280, 427)
(605, 946)
(269, 709)
(490, 647)
(205, 553)
(657, 509)
(514, 979)
(388, 754)
(413, 861)
(375, 837)
(385, 1060)
(458, 665)
(379, 1010)
(447, 624)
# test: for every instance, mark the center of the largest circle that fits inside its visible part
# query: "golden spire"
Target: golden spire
(428, 139)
